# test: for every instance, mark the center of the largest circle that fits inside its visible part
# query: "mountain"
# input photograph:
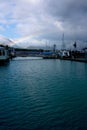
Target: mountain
(5, 41)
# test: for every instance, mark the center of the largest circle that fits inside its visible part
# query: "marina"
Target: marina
(78, 56)
(7, 53)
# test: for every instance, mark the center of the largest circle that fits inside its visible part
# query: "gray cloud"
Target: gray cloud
(72, 14)
(66, 9)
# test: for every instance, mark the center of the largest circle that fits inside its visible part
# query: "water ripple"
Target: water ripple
(43, 95)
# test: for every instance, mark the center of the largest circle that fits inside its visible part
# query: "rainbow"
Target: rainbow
(27, 37)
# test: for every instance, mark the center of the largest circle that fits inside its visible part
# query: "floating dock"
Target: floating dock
(75, 59)
(67, 59)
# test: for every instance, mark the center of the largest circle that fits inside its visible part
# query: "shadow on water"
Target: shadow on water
(4, 63)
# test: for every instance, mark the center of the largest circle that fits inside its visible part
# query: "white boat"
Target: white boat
(4, 55)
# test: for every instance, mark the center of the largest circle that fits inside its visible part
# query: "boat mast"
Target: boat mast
(63, 44)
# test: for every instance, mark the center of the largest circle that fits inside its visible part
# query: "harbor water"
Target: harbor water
(40, 94)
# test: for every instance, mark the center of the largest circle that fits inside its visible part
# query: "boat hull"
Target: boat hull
(3, 62)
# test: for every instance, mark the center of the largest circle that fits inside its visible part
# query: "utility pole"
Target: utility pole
(54, 48)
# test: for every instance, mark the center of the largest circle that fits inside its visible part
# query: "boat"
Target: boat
(4, 55)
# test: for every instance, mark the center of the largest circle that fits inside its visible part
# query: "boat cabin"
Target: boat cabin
(64, 54)
(4, 54)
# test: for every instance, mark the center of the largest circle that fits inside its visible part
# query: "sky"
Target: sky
(43, 21)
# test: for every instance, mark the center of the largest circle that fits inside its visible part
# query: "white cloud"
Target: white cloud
(59, 25)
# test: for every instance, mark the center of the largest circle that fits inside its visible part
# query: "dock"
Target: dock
(67, 59)
(76, 59)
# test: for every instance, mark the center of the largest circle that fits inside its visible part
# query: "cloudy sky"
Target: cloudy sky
(39, 21)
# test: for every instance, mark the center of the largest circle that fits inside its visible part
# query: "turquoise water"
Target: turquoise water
(43, 95)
